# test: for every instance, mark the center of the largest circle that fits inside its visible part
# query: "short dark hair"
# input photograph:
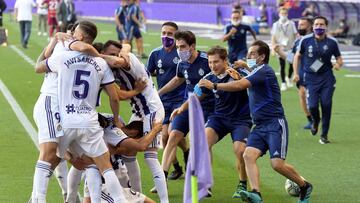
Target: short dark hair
(70, 26)
(187, 36)
(219, 51)
(112, 42)
(321, 17)
(74, 26)
(171, 24)
(236, 11)
(309, 20)
(263, 49)
(89, 29)
(98, 46)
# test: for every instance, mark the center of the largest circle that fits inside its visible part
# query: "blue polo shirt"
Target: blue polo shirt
(232, 105)
(312, 49)
(121, 14)
(237, 42)
(264, 94)
(164, 64)
(132, 9)
(193, 73)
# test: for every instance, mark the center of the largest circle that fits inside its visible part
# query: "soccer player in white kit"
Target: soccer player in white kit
(147, 107)
(47, 118)
(80, 77)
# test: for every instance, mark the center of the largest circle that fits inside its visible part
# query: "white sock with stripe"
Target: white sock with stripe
(133, 168)
(158, 175)
(42, 175)
(113, 186)
(94, 183)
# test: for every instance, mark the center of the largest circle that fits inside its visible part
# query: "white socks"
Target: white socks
(113, 186)
(133, 168)
(61, 172)
(42, 175)
(74, 178)
(94, 183)
(158, 175)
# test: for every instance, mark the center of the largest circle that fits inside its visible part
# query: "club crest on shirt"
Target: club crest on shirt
(159, 63)
(176, 60)
(310, 51)
(242, 31)
(186, 75)
(201, 72)
(325, 47)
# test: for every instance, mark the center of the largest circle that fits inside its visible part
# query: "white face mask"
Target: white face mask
(283, 19)
(235, 23)
(251, 63)
(184, 55)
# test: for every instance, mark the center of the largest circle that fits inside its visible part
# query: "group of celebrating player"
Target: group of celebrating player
(104, 147)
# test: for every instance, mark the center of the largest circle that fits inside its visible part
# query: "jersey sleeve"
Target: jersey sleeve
(151, 67)
(301, 47)
(337, 52)
(108, 76)
(255, 77)
(52, 63)
(273, 29)
(179, 72)
(114, 136)
(205, 90)
(226, 29)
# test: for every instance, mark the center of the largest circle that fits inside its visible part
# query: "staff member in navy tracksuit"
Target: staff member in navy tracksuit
(317, 50)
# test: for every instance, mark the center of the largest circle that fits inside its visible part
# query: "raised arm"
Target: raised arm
(171, 85)
(40, 66)
(114, 103)
(233, 86)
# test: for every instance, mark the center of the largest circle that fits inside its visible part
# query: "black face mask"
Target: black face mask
(302, 32)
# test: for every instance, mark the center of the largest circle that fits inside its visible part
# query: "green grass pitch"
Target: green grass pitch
(333, 169)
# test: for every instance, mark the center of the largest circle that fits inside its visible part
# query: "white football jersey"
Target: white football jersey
(148, 101)
(80, 77)
(50, 83)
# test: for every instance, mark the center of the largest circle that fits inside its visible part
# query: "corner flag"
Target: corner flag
(198, 170)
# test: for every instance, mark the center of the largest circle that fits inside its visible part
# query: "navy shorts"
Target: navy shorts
(181, 122)
(270, 135)
(133, 31)
(237, 56)
(239, 129)
(169, 108)
(121, 34)
(301, 81)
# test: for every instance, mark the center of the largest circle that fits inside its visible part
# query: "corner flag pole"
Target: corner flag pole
(194, 188)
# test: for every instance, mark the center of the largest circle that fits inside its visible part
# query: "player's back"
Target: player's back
(80, 77)
(52, 8)
(148, 100)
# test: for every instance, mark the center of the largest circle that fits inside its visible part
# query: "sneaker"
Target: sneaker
(314, 128)
(176, 174)
(44, 34)
(289, 83)
(283, 86)
(239, 187)
(324, 140)
(153, 190)
(39, 33)
(305, 193)
(209, 193)
(250, 197)
(308, 126)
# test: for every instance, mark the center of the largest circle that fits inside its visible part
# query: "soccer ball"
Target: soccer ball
(292, 188)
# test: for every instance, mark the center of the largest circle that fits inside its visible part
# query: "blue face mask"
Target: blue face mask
(184, 55)
(251, 63)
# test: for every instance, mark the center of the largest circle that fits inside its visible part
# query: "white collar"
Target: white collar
(223, 75)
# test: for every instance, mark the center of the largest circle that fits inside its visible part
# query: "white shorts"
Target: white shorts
(80, 141)
(148, 120)
(47, 118)
(130, 195)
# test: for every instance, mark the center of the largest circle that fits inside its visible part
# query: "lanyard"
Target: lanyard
(322, 53)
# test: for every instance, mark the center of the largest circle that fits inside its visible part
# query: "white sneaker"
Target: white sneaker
(39, 33)
(283, 87)
(44, 34)
(289, 82)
